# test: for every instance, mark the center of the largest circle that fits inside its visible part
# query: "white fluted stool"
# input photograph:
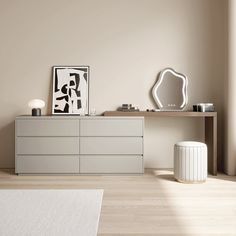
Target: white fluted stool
(190, 162)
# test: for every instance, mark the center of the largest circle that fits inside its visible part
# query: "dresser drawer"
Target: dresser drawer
(40, 127)
(47, 164)
(111, 127)
(47, 145)
(111, 145)
(111, 164)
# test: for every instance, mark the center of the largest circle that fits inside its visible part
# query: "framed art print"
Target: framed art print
(70, 90)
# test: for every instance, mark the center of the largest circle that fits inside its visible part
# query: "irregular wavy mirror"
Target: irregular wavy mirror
(170, 90)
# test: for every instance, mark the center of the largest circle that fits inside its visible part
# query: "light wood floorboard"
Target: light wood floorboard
(149, 204)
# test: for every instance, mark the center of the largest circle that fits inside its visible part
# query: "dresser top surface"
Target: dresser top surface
(75, 117)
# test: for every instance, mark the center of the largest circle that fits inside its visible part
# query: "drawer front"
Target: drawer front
(111, 164)
(111, 127)
(45, 145)
(47, 127)
(47, 164)
(111, 145)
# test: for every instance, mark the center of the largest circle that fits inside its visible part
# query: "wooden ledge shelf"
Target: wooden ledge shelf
(160, 113)
(210, 119)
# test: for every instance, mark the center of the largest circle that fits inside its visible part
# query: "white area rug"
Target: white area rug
(50, 212)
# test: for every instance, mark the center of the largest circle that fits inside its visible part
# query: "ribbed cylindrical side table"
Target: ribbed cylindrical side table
(190, 162)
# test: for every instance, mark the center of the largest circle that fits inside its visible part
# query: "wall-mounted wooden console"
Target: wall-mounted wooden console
(78, 145)
(210, 128)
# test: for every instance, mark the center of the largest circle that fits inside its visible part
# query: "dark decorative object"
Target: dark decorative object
(36, 112)
(70, 90)
(195, 107)
(204, 107)
(127, 107)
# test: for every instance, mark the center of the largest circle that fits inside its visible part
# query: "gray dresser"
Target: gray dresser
(74, 145)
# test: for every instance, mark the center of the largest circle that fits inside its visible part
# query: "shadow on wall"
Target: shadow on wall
(7, 145)
(48, 109)
(150, 92)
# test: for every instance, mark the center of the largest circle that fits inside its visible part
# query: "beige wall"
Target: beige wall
(126, 43)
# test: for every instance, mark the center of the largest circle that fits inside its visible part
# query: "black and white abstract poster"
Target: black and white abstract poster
(70, 90)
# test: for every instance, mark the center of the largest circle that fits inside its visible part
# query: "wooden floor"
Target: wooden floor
(149, 204)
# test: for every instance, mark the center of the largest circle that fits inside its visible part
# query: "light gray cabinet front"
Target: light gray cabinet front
(111, 127)
(47, 164)
(46, 127)
(111, 145)
(111, 164)
(47, 145)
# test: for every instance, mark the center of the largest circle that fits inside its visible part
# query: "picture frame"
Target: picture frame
(70, 90)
